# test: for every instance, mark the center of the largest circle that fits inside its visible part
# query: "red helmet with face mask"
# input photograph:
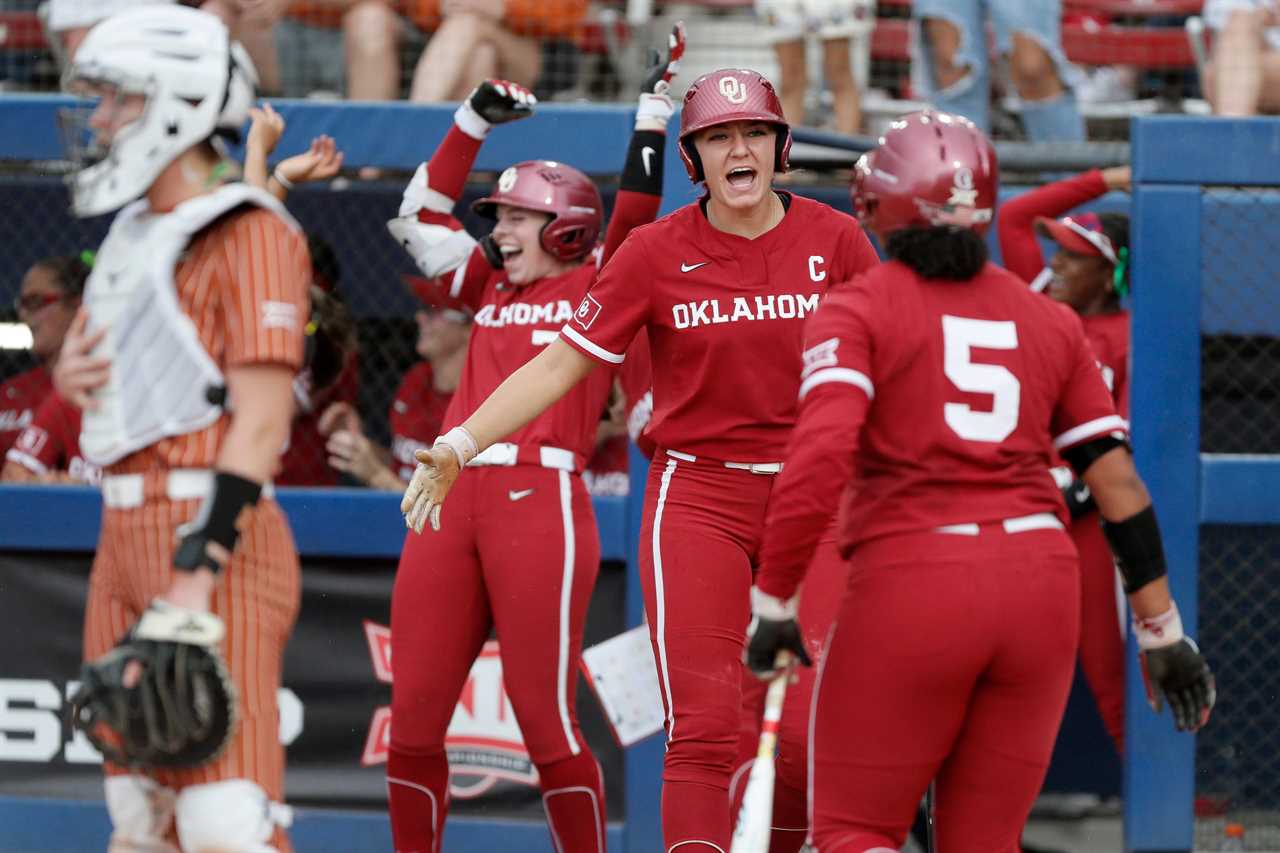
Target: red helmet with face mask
(571, 198)
(930, 168)
(730, 94)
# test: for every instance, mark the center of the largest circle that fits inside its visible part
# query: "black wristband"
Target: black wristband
(1135, 543)
(216, 521)
(643, 172)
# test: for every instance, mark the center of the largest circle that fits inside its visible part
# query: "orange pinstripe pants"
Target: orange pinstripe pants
(257, 597)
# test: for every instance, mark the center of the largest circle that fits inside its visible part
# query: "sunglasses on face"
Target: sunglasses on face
(30, 303)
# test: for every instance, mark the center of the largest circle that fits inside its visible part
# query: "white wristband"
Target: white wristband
(462, 443)
(281, 179)
(654, 111)
(1159, 631)
(767, 606)
(471, 122)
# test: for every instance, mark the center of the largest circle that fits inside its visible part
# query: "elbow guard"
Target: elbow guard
(1082, 456)
(1135, 543)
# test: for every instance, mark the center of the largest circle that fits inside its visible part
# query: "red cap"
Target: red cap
(930, 168)
(436, 297)
(730, 94)
(572, 199)
(1081, 234)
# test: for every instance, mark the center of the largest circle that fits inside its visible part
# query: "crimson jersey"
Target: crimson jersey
(20, 396)
(417, 413)
(51, 442)
(725, 320)
(945, 401)
(607, 472)
(1108, 334)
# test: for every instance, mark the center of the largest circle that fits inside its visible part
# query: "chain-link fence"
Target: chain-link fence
(1125, 57)
(1237, 770)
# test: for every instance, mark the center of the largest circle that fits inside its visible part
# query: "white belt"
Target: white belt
(753, 467)
(126, 491)
(1035, 521)
(506, 453)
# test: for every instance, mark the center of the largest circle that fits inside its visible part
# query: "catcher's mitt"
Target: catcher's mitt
(181, 712)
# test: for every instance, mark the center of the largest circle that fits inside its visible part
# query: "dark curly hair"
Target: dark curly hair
(939, 251)
(1116, 227)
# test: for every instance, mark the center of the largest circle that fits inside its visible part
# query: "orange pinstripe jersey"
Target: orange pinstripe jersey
(243, 282)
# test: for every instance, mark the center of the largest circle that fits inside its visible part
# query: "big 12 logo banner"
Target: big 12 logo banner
(483, 741)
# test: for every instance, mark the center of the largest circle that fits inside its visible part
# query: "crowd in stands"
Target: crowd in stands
(1035, 60)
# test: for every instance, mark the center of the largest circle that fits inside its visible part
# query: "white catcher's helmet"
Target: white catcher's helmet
(196, 82)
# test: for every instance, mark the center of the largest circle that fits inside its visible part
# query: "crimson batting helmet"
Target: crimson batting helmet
(550, 187)
(730, 94)
(930, 168)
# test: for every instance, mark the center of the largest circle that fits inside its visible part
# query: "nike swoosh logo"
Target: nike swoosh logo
(646, 153)
(1081, 495)
(515, 496)
(691, 267)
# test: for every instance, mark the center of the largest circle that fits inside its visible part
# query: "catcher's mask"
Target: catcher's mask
(180, 714)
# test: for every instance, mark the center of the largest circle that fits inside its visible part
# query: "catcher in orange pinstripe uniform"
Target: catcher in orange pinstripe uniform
(182, 359)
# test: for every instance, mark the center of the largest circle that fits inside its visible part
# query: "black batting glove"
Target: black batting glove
(1180, 675)
(1078, 498)
(773, 631)
(1174, 670)
(501, 101)
(662, 69)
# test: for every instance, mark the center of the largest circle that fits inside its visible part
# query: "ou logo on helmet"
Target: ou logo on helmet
(507, 180)
(733, 90)
(962, 191)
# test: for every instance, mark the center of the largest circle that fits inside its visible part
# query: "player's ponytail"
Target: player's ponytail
(939, 251)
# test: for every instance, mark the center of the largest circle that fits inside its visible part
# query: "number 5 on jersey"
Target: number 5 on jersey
(960, 335)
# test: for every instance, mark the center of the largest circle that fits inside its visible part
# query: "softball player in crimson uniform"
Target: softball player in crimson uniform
(48, 450)
(1090, 273)
(521, 551)
(199, 291)
(935, 389)
(721, 288)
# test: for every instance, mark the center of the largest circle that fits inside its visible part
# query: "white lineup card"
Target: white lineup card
(622, 673)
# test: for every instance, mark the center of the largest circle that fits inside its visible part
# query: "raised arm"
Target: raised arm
(640, 190)
(1015, 222)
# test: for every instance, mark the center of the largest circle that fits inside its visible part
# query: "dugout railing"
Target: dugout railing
(1206, 321)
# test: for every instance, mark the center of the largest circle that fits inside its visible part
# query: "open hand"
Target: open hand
(320, 162)
(265, 130)
(436, 472)
(662, 69)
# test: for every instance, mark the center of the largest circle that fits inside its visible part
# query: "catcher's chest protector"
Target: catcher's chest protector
(160, 372)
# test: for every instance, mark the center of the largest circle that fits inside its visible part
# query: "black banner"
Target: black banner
(334, 702)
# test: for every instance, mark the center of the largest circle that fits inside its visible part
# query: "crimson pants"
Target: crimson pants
(517, 551)
(820, 597)
(698, 546)
(951, 659)
(1101, 626)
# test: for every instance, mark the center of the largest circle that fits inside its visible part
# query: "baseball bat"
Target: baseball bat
(755, 817)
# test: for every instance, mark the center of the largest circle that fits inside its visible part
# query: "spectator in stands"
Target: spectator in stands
(954, 66)
(788, 24)
(526, 41)
(444, 330)
(1090, 273)
(1243, 76)
(70, 20)
(252, 23)
(47, 302)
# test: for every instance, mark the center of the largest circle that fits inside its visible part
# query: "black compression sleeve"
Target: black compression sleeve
(1136, 544)
(643, 172)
